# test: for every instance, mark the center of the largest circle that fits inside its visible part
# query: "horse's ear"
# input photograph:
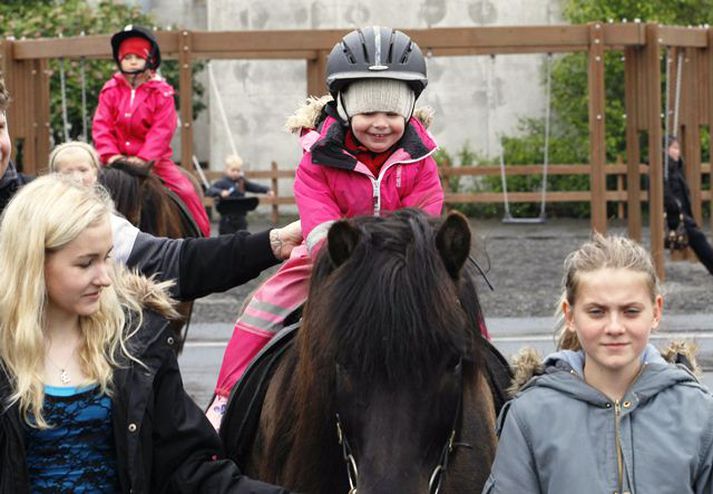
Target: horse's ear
(341, 240)
(453, 242)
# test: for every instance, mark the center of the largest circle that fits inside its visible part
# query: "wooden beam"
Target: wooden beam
(597, 145)
(682, 36)
(633, 155)
(185, 96)
(652, 54)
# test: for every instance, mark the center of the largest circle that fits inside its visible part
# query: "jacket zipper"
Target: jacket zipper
(131, 101)
(617, 436)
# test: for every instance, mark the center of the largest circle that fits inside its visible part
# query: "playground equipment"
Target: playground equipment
(542, 217)
(24, 65)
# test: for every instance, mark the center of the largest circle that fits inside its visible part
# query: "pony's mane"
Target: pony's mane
(392, 306)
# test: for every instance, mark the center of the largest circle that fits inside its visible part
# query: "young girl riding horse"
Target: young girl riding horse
(365, 153)
(136, 117)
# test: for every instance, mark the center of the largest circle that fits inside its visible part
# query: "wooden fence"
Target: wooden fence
(620, 195)
(24, 64)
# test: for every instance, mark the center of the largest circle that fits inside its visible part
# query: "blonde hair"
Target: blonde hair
(4, 96)
(73, 151)
(45, 216)
(613, 252)
(233, 160)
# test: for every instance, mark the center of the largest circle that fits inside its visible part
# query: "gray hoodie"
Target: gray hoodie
(559, 435)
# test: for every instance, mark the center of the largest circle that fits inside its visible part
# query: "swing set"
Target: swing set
(542, 217)
(24, 64)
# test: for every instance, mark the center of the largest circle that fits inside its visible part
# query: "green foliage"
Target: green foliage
(569, 141)
(49, 19)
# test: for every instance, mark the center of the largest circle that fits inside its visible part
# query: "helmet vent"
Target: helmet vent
(363, 46)
(348, 54)
(407, 52)
(390, 55)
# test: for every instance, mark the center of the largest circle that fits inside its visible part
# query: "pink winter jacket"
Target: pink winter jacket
(134, 122)
(331, 183)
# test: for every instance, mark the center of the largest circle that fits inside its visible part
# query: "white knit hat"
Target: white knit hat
(376, 95)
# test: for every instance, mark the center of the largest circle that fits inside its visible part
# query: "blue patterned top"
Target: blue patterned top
(76, 454)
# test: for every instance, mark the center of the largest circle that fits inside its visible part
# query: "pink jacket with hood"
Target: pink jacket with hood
(135, 122)
(331, 183)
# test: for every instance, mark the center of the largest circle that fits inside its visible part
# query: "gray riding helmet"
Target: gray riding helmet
(376, 52)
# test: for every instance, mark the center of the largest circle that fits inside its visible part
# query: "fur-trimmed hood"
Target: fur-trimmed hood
(141, 293)
(311, 113)
(528, 364)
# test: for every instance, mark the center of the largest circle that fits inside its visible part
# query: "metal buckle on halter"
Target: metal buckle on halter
(352, 471)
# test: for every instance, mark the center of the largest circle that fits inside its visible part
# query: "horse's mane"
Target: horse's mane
(392, 307)
(390, 314)
(144, 201)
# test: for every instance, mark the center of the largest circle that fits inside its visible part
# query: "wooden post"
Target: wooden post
(185, 95)
(652, 54)
(633, 179)
(316, 73)
(709, 55)
(276, 197)
(690, 118)
(597, 146)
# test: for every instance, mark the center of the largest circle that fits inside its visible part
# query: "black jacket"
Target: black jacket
(10, 182)
(164, 443)
(677, 196)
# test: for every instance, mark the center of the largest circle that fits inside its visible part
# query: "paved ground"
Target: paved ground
(524, 263)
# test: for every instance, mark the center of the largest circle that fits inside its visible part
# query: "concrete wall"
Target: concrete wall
(472, 103)
(475, 101)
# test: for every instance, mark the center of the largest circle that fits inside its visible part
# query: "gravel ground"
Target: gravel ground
(524, 263)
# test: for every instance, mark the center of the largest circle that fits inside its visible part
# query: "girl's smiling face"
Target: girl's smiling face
(378, 131)
(613, 316)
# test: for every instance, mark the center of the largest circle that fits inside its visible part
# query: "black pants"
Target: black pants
(698, 242)
(232, 223)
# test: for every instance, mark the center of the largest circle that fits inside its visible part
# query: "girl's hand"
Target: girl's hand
(115, 157)
(283, 240)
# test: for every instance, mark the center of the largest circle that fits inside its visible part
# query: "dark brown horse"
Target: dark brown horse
(143, 200)
(384, 389)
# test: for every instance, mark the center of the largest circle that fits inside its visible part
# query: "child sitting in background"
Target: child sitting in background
(234, 185)
(78, 159)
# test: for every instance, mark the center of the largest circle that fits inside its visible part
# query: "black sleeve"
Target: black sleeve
(201, 266)
(255, 187)
(187, 453)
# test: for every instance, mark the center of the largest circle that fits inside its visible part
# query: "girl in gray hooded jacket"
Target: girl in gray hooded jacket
(606, 413)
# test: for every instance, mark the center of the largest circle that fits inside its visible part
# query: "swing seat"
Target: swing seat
(533, 220)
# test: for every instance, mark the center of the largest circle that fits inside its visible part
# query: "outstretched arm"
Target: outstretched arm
(201, 266)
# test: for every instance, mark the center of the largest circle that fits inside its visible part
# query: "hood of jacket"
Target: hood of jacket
(564, 371)
(323, 134)
(156, 83)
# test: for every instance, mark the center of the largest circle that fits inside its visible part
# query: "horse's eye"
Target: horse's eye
(455, 363)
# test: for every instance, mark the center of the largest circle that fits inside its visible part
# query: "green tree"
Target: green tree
(52, 18)
(569, 141)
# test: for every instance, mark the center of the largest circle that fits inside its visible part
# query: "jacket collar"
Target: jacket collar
(326, 140)
(563, 371)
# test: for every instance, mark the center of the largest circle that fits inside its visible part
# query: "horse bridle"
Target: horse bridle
(440, 470)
